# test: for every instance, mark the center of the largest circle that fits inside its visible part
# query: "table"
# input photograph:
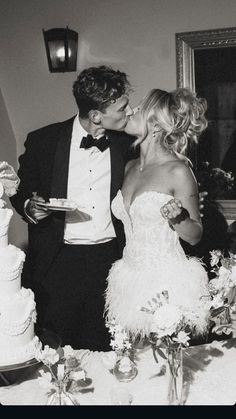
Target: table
(209, 379)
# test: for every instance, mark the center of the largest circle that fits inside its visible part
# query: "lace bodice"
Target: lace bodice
(148, 235)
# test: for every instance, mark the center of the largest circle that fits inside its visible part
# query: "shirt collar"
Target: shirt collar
(79, 132)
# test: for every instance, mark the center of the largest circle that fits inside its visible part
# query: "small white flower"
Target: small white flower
(215, 257)
(217, 301)
(127, 345)
(78, 375)
(182, 338)
(48, 355)
(68, 351)
(166, 319)
(45, 381)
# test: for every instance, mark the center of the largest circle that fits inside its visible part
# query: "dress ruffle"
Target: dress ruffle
(128, 290)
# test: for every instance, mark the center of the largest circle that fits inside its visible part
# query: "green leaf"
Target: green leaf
(160, 352)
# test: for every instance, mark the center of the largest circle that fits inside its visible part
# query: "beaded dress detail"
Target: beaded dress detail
(153, 260)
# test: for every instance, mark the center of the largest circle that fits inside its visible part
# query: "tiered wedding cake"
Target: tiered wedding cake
(18, 342)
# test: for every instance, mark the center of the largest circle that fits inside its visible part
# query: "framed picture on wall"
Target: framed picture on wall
(206, 63)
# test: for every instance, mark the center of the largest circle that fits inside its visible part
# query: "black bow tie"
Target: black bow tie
(101, 143)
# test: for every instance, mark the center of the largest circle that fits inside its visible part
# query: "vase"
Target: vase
(59, 396)
(175, 375)
(125, 369)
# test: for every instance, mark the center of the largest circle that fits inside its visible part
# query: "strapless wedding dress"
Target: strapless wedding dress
(153, 260)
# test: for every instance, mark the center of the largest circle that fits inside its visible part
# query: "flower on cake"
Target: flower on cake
(65, 375)
(8, 179)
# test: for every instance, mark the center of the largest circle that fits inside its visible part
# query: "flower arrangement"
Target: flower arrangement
(124, 368)
(215, 181)
(170, 329)
(222, 289)
(65, 376)
(120, 341)
(170, 325)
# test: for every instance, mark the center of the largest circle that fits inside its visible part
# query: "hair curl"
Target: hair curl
(179, 115)
(97, 87)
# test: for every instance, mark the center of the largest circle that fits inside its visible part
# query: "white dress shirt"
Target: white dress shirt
(89, 181)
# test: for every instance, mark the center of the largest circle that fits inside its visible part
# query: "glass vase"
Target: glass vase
(59, 396)
(125, 369)
(175, 375)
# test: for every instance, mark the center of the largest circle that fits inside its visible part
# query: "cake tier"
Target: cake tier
(16, 314)
(21, 353)
(5, 218)
(17, 337)
(11, 264)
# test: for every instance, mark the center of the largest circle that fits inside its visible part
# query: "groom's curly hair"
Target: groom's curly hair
(97, 87)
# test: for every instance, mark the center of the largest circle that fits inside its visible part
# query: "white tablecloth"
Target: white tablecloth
(209, 379)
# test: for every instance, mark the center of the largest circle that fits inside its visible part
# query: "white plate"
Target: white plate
(67, 206)
(59, 207)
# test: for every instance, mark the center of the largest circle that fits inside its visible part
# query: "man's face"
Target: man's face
(135, 125)
(115, 116)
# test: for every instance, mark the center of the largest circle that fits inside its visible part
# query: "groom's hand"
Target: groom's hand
(37, 212)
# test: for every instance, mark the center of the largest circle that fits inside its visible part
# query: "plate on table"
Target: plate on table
(58, 205)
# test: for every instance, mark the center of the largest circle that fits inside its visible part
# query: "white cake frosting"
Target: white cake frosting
(18, 342)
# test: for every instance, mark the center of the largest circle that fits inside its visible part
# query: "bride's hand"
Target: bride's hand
(171, 209)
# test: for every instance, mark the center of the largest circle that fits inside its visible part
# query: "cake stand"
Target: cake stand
(10, 374)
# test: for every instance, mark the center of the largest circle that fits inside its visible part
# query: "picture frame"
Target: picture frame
(215, 47)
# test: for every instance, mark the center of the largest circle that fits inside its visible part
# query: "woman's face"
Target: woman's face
(134, 125)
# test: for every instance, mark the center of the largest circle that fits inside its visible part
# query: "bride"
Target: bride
(158, 204)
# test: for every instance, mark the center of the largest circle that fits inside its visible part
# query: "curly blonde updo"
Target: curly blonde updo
(178, 115)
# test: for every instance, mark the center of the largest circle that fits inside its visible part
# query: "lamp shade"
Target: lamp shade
(61, 48)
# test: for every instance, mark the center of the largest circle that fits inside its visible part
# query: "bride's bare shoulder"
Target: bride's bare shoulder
(178, 166)
(180, 174)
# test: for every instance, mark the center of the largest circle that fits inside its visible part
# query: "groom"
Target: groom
(82, 159)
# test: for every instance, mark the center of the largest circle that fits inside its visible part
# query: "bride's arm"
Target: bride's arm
(182, 211)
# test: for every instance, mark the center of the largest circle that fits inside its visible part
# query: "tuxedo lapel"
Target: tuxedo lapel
(61, 161)
(117, 168)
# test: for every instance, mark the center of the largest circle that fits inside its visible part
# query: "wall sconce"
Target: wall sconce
(61, 48)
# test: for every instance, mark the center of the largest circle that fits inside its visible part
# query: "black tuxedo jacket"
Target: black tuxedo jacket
(44, 169)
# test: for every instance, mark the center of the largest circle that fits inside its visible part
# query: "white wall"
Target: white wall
(135, 36)
(8, 153)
